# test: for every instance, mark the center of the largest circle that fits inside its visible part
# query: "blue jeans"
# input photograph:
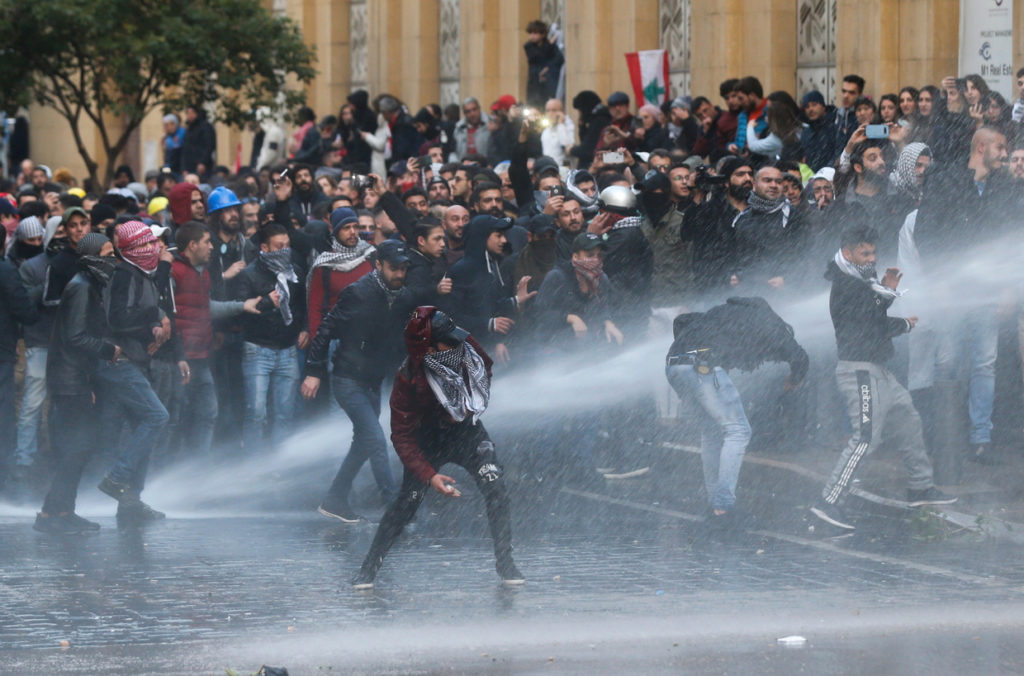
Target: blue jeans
(267, 370)
(198, 409)
(982, 338)
(123, 387)
(361, 402)
(32, 398)
(725, 431)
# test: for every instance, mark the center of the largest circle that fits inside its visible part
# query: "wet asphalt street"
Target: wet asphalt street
(622, 578)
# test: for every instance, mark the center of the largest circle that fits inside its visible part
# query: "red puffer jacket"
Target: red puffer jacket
(413, 403)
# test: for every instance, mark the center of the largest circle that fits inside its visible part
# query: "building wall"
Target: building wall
(396, 46)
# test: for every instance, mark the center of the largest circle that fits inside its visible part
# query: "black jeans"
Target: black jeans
(468, 446)
(73, 425)
(7, 417)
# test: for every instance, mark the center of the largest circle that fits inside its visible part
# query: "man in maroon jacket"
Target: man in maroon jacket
(440, 392)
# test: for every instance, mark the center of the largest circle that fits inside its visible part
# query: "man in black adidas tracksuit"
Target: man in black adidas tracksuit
(878, 405)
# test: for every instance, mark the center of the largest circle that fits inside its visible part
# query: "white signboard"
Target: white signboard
(986, 43)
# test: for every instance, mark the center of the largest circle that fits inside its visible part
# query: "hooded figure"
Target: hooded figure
(480, 292)
(365, 118)
(594, 117)
(440, 392)
(905, 176)
(180, 199)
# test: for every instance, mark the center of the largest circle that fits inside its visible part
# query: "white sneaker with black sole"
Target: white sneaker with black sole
(831, 514)
(340, 512)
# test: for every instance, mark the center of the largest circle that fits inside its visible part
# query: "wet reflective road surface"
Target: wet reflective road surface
(622, 578)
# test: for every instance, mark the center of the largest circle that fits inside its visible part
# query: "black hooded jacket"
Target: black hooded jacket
(15, 309)
(743, 333)
(594, 117)
(479, 290)
(81, 336)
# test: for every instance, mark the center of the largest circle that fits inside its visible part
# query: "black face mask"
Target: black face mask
(56, 245)
(25, 251)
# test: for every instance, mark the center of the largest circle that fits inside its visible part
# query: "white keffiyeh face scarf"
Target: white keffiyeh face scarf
(865, 273)
(280, 263)
(458, 378)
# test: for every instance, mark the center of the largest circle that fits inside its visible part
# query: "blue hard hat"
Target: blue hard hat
(221, 198)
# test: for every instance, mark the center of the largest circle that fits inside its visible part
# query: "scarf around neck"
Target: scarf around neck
(866, 274)
(459, 380)
(390, 294)
(344, 258)
(280, 264)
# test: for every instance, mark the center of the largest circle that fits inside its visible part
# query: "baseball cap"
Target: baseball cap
(542, 223)
(618, 99)
(392, 251)
(585, 241)
(443, 329)
(544, 164)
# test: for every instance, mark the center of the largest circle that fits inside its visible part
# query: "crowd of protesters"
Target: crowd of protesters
(203, 312)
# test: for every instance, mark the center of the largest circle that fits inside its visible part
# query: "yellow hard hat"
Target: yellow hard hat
(156, 205)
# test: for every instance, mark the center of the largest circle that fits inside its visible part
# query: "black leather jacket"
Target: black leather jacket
(368, 331)
(81, 336)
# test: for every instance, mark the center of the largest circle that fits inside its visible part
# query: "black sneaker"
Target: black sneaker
(56, 524)
(831, 514)
(136, 512)
(362, 580)
(981, 454)
(338, 509)
(118, 490)
(929, 496)
(510, 575)
(84, 524)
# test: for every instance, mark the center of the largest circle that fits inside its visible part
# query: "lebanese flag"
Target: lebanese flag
(648, 70)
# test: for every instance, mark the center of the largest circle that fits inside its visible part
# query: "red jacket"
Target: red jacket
(192, 308)
(322, 297)
(413, 403)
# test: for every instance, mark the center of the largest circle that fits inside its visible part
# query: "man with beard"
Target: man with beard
(438, 190)
(767, 235)
(231, 250)
(869, 191)
(486, 199)
(966, 205)
(333, 271)
(270, 368)
(456, 218)
(138, 328)
(440, 392)
(80, 340)
(570, 223)
(462, 184)
(709, 227)
(481, 295)
(877, 404)
(366, 323)
(303, 195)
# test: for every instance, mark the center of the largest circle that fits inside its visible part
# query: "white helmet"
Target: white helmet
(618, 199)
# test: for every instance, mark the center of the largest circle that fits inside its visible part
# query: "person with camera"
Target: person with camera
(708, 227)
